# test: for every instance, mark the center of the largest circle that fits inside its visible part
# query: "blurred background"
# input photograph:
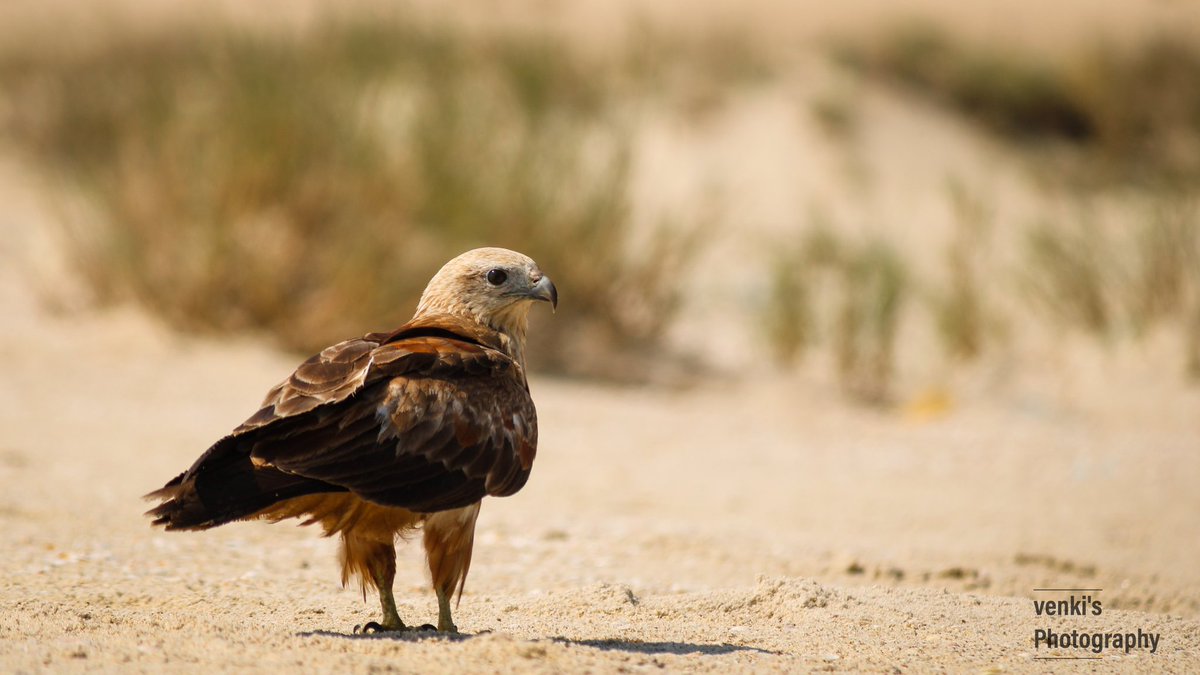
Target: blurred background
(890, 292)
(899, 199)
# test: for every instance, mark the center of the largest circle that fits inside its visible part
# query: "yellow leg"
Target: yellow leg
(445, 623)
(383, 581)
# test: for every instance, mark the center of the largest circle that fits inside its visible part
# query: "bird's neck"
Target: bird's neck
(511, 323)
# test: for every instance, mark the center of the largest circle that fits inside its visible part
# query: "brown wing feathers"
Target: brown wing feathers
(416, 419)
(226, 487)
(427, 452)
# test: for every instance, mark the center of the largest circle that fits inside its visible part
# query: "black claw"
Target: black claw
(372, 627)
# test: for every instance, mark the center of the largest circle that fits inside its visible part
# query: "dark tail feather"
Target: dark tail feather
(225, 489)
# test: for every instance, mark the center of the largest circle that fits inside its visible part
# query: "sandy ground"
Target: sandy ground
(748, 523)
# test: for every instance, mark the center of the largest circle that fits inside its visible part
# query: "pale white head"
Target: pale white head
(492, 286)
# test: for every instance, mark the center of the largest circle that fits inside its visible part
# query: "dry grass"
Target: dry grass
(961, 310)
(866, 287)
(875, 286)
(307, 186)
(1115, 284)
(1069, 271)
(850, 295)
(1136, 111)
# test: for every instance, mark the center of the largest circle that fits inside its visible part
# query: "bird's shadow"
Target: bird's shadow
(605, 644)
(394, 636)
(642, 647)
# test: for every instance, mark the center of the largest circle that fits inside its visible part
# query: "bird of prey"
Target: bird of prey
(377, 437)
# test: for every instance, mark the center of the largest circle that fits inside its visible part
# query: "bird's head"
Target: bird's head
(492, 286)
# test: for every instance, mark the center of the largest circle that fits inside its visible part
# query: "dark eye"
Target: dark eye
(497, 276)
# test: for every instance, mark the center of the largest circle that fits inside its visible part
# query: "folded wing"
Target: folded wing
(431, 417)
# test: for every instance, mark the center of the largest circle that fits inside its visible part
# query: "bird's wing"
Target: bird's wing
(431, 419)
(433, 416)
(326, 378)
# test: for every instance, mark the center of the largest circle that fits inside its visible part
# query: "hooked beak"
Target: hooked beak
(544, 290)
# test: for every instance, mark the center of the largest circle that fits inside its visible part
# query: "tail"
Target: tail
(223, 486)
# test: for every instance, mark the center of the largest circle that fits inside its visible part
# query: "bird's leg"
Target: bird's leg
(383, 581)
(445, 623)
(375, 563)
(449, 539)
(379, 559)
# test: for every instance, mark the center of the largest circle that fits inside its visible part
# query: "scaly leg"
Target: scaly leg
(375, 563)
(383, 581)
(445, 622)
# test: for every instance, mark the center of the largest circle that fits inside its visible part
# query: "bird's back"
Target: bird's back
(432, 416)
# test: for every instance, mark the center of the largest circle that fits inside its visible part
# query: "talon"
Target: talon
(372, 627)
(426, 627)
